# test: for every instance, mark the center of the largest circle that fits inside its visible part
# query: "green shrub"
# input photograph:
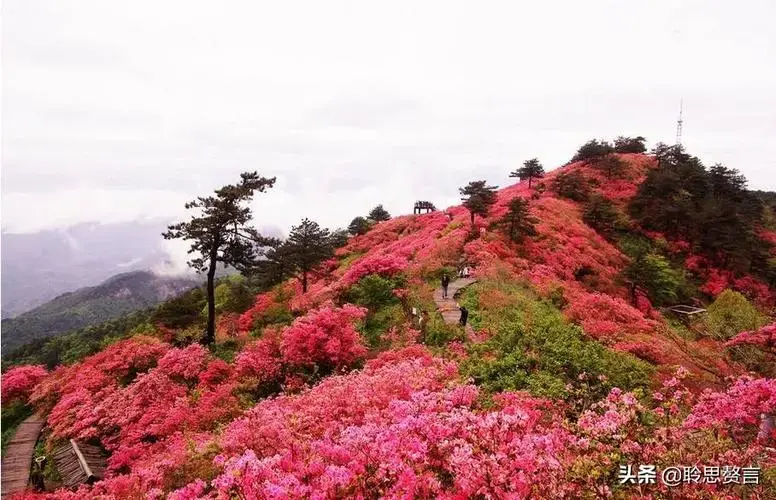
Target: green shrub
(730, 314)
(533, 347)
(375, 292)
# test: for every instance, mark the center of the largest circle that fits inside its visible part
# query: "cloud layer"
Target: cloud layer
(119, 110)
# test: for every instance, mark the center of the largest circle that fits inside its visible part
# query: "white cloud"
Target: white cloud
(114, 110)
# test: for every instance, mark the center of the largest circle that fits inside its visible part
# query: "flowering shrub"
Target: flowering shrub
(386, 265)
(325, 337)
(607, 318)
(765, 338)
(18, 382)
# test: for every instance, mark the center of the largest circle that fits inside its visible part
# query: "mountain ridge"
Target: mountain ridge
(118, 295)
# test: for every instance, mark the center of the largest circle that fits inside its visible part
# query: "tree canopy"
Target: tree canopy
(219, 232)
(530, 170)
(378, 214)
(572, 185)
(592, 150)
(518, 222)
(478, 198)
(359, 225)
(307, 246)
(709, 208)
(629, 144)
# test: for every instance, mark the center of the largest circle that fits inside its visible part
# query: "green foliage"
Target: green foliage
(378, 214)
(478, 198)
(629, 145)
(439, 333)
(518, 222)
(377, 322)
(220, 233)
(611, 165)
(572, 185)
(603, 216)
(375, 292)
(533, 347)
(592, 150)
(657, 277)
(710, 209)
(233, 295)
(225, 350)
(359, 225)
(115, 297)
(76, 345)
(12, 415)
(307, 246)
(182, 311)
(530, 170)
(730, 314)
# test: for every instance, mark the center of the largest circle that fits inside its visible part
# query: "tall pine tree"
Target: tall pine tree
(378, 214)
(518, 222)
(530, 170)
(219, 233)
(478, 198)
(307, 246)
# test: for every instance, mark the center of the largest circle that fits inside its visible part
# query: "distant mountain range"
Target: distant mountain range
(37, 267)
(119, 295)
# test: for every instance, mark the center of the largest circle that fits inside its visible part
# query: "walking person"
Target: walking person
(445, 283)
(464, 316)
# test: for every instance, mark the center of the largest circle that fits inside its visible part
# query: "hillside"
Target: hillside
(573, 367)
(38, 267)
(117, 296)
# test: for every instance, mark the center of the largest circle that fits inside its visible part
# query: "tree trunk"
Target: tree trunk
(529, 181)
(210, 334)
(472, 215)
(304, 281)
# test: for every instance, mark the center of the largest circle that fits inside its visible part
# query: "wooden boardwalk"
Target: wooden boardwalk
(448, 307)
(17, 458)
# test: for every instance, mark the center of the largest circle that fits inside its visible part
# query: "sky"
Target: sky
(114, 111)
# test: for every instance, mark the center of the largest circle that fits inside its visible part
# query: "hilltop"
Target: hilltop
(574, 364)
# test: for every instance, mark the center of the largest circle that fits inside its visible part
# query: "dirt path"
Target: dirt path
(448, 307)
(17, 458)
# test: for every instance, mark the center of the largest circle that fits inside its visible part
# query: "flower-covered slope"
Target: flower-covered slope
(307, 409)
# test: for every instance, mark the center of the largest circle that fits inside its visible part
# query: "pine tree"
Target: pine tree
(478, 198)
(220, 234)
(530, 170)
(601, 214)
(572, 185)
(653, 273)
(307, 246)
(378, 214)
(518, 222)
(611, 165)
(339, 238)
(359, 225)
(629, 144)
(592, 150)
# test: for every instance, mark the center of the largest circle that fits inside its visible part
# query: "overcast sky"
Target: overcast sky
(115, 110)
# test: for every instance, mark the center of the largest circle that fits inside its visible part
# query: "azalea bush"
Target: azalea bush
(18, 382)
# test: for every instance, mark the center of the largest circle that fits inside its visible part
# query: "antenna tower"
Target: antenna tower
(679, 123)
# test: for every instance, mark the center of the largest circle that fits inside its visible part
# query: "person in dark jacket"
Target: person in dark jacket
(464, 316)
(445, 283)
